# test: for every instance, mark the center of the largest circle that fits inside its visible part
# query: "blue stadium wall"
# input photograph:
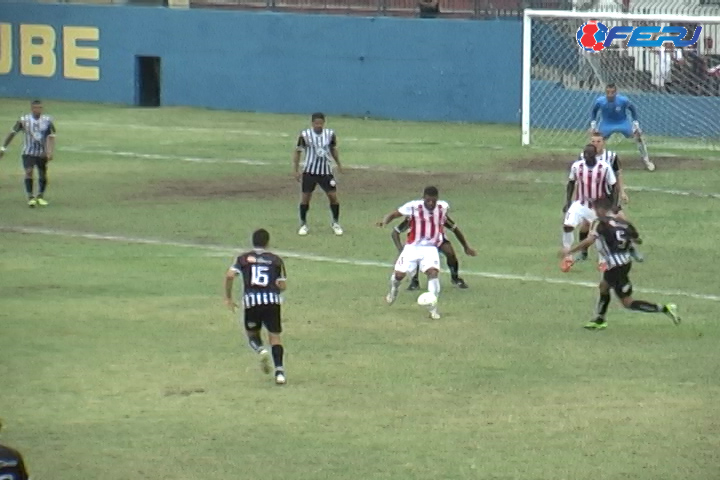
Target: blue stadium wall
(414, 69)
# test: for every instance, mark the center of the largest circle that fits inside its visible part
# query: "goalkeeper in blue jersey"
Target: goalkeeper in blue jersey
(613, 110)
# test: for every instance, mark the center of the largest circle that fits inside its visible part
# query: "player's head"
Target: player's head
(318, 121)
(589, 154)
(430, 197)
(260, 238)
(598, 142)
(610, 92)
(36, 107)
(603, 207)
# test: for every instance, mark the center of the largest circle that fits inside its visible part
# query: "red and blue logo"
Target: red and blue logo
(591, 36)
(594, 36)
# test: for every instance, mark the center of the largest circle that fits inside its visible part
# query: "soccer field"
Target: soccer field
(119, 359)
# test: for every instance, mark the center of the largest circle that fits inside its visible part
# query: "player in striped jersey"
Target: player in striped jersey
(611, 158)
(427, 223)
(589, 181)
(446, 248)
(319, 145)
(264, 279)
(614, 237)
(38, 149)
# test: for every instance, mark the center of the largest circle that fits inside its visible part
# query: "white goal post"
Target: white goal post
(676, 91)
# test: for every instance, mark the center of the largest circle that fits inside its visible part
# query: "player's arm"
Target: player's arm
(281, 281)
(389, 218)
(230, 275)
(50, 141)
(634, 234)
(395, 234)
(296, 157)
(585, 244)
(612, 188)
(334, 152)
(617, 169)
(16, 128)
(452, 226)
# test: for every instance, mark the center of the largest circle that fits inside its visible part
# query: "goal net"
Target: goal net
(676, 91)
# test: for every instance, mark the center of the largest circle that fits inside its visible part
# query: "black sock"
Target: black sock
(642, 306)
(43, 183)
(416, 277)
(29, 187)
(303, 212)
(255, 343)
(582, 236)
(277, 354)
(335, 209)
(602, 306)
(453, 266)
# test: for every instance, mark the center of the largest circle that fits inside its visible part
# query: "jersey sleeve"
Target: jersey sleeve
(51, 129)
(611, 179)
(572, 176)
(407, 209)
(18, 126)
(632, 231)
(301, 142)
(403, 226)
(333, 140)
(237, 265)
(616, 166)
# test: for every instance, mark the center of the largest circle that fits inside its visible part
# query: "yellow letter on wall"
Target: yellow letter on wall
(5, 48)
(37, 42)
(73, 53)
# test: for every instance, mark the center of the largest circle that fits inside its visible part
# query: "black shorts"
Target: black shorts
(30, 161)
(310, 181)
(619, 280)
(263, 315)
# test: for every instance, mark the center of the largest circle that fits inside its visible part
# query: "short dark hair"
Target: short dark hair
(604, 203)
(260, 238)
(317, 115)
(36, 102)
(611, 85)
(430, 192)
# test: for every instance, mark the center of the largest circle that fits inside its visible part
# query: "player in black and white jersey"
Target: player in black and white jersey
(264, 277)
(445, 247)
(610, 157)
(614, 237)
(319, 145)
(12, 466)
(38, 149)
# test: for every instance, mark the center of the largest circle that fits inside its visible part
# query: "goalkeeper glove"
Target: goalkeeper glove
(636, 126)
(593, 125)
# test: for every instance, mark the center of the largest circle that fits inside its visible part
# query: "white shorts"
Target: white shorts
(414, 255)
(577, 213)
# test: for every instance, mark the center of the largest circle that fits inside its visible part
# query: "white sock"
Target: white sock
(394, 282)
(567, 239)
(434, 286)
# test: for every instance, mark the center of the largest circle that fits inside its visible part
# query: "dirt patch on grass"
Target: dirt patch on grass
(557, 162)
(353, 181)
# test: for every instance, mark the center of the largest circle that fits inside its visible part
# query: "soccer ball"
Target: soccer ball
(427, 299)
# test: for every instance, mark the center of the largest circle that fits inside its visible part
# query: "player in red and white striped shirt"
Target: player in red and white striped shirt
(590, 180)
(427, 231)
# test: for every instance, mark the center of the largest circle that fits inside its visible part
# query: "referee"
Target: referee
(38, 149)
(319, 145)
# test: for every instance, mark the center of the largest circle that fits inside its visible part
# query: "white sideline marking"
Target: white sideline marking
(378, 168)
(343, 261)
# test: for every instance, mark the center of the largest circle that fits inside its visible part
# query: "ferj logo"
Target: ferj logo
(594, 36)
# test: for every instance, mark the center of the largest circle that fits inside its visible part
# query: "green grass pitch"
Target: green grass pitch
(118, 359)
